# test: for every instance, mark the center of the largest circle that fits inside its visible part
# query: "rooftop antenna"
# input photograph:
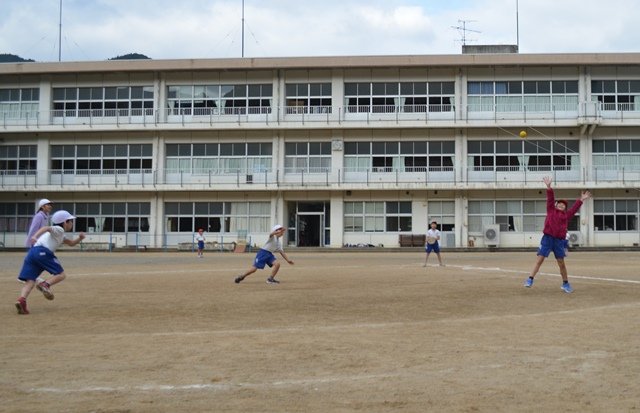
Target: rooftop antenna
(60, 35)
(462, 28)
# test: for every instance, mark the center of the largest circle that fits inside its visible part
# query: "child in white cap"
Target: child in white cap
(42, 257)
(265, 256)
(39, 220)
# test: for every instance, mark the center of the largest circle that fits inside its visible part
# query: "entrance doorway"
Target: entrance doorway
(309, 223)
(309, 230)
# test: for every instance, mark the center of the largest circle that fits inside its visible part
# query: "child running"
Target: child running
(42, 257)
(200, 239)
(265, 256)
(555, 232)
(433, 243)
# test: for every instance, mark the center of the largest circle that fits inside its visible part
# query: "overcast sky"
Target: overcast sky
(172, 29)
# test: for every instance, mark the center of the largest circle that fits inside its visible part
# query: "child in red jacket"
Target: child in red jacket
(555, 232)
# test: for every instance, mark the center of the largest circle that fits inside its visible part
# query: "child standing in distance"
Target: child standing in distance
(200, 239)
(39, 220)
(433, 243)
(555, 232)
(265, 256)
(42, 257)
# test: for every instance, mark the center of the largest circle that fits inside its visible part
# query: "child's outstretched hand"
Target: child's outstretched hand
(585, 195)
(547, 181)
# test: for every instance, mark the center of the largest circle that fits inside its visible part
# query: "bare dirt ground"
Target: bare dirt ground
(343, 332)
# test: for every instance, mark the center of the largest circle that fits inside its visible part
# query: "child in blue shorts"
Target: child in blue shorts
(433, 243)
(265, 256)
(200, 239)
(555, 233)
(42, 257)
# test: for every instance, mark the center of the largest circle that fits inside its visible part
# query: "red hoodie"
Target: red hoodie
(555, 224)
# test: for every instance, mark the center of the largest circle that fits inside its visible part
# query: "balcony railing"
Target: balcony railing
(375, 177)
(266, 115)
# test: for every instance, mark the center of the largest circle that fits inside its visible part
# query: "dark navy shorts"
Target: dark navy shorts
(557, 245)
(433, 247)
(264, 257)
(39, 259)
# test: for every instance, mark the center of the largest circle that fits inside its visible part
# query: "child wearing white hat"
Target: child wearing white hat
(39, 220)
(42, 257)
(265, 256)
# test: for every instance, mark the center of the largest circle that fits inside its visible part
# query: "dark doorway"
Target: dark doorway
(309, 230)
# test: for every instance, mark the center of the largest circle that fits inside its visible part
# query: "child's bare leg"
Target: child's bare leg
(26, 288)
(275, 269)
(563, 269)
(249, 271)
(56, 279)
(426, 259)
(439, 258)
(537, 266)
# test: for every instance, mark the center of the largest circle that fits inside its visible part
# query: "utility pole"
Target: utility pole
(60, 34)
(242, 28)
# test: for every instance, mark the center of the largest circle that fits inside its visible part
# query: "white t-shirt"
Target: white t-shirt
(433, 233)
(273, 244)
(51, 239)
(199, 237)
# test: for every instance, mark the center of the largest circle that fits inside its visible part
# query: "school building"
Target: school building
(350, 150)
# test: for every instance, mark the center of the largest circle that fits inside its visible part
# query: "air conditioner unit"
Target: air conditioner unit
(575, 238)
(491, 235)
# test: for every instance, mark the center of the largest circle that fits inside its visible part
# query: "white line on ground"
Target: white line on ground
(342, 267)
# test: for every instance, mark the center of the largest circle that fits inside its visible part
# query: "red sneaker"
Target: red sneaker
(43, 287)
(21, 306)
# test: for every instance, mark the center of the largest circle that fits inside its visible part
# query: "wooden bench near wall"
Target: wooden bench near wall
(412, 240)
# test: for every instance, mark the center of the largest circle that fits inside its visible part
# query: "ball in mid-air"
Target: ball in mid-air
(523, 134)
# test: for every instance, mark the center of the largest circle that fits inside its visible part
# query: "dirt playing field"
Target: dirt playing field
(343, 332)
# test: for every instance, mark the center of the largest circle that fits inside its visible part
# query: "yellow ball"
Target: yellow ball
(523, 134)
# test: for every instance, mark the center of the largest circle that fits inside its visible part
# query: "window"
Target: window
(391, 97)
(111, 101)
(218, 217)
(308, 98)
(219, 158)
(15, 217)
(511, 215)
(19, 103)
(310, 157)
(206, 100)
(516, 155)
(616, 95)
(18, 159)
(121, 217)
(101, 159)
(444, 213)
(404, 156)
(389, 216)
(616, 154)
(615, 215)
(523, 96)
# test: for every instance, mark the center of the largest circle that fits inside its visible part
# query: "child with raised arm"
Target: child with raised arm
(42, 257)
(265, 256)
(555, 232)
